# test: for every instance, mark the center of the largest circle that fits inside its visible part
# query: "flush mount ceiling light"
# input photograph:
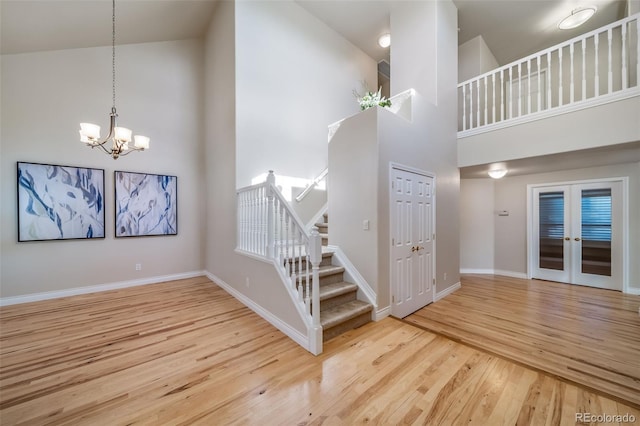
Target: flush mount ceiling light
(119, 136)
(384, 40)
(577, 17)
(497, 173)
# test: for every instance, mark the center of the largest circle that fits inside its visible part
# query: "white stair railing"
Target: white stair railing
(269, 229)
(597, 67)
(323, 174)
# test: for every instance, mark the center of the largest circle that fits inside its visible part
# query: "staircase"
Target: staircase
(340, 309)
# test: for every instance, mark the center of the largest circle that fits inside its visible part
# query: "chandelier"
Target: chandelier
(119, 136)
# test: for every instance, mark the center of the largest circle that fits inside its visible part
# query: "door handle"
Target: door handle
(567, 238)
(577, 239)
(414, 248)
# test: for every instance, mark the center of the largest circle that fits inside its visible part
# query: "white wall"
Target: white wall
(475, 58)
(295, 76)
(477, 221)
(44, 98)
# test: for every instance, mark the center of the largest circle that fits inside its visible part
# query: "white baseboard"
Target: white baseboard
(447, 291)
(635, 291)
(494, 272)
(36, 297)
(292, 333)
(511, 274)
(382, 313)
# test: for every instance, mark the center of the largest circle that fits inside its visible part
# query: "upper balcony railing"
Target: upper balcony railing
(595, 68)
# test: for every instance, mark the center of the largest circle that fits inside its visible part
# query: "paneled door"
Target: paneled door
(412, 246)
(578, 235)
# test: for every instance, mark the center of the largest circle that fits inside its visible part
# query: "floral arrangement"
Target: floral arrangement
(371, 99)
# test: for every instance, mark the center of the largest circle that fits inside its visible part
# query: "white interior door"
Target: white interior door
(578, 235)
(412, 252)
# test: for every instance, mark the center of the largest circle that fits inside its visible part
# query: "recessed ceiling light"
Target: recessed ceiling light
(577, 17)
(497, 173)
(384, 40)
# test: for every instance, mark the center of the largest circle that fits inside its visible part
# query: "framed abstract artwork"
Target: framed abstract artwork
(59, 202)
(146, 204)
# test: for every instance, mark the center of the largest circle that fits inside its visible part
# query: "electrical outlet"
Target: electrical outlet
(247, 283)
(138, 266)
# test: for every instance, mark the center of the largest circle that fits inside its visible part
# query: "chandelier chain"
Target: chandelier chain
(113, 53)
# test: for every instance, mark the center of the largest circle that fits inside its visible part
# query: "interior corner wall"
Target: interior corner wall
(477, 222)
(45, 95)
(511, 231)
(251, 279)
(295, 76)
(429, 142)
(475, 58)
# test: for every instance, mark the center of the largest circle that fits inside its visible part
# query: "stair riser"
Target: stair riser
(327, 279)
(323, 228)
(325, 242)
(355, 322)
(338, 300)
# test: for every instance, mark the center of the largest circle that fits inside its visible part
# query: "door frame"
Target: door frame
(405, 168)
(625, 222)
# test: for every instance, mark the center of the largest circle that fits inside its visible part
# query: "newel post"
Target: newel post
(315, 257)
(271, 184)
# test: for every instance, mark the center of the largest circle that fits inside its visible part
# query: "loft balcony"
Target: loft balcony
(580, 94)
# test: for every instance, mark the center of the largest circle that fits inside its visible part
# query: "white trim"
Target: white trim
(352, 272)
(316, 217)
(37, 297)
(447, 291)
(272, 319)
(253, 256)
(511, 274)
(382, 313)
(633, 290)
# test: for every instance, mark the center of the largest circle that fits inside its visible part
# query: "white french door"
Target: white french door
(413, 249)
(577, 234)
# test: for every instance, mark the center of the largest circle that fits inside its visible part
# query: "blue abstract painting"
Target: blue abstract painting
(59, 202)
(146, 204)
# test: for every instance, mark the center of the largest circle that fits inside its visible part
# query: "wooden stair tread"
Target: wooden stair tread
(341, 313)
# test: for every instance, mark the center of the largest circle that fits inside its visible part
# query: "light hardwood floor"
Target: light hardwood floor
(186, 352)
(586, 335)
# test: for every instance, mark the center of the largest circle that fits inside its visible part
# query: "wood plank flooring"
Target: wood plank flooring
(586, 335)
(186, 352)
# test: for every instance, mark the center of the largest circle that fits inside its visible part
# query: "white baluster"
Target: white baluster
(571, 87)
(584, 69)
(511, 92)
(560, 77)
(502, 88)
(528, 86)
(519, 89)
(464, 107)
(596, 87)
(478, 105)
(493, 98)
(471, 105)
(610, 73)
(625, 82)
(315, 244)
(485, 100)
(549, 80)
(539, 87)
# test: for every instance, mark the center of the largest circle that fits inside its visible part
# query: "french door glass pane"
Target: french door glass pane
(551, 217)
(596, 231)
